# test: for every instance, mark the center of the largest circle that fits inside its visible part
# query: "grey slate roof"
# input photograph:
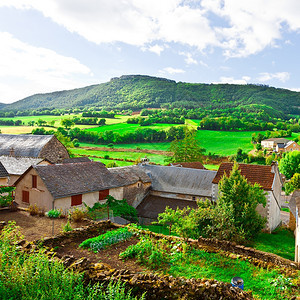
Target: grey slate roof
(73, 160)
(23, 144)
(277, 140)
(3, 171)
(18, 165)
(180, 180)
(130, 174)
(63, 180)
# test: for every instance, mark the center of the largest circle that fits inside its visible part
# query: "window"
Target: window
(103, 194)
(34, 181)
(194, 198)
(76, 200)
(25, 196)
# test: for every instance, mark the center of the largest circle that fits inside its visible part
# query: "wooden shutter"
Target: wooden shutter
(25, 196)
(34, 181)
(76, 200)
(103, 194)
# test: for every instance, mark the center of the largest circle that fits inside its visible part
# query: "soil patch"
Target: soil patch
(34, 227)
(109, 256)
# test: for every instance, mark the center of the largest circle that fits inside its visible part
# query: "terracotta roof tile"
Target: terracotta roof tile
(262, 175)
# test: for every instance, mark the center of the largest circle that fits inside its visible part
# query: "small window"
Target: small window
(34, 181)
(103, 194)
(194, 198)
(76, 200)
(25, 196)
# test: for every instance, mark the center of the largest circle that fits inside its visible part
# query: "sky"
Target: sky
(50, 45)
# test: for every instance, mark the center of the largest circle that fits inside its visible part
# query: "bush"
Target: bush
(54, 213)
(106, 156)
(33, 210)
(67, 227)
(77, 215)
(109, 238)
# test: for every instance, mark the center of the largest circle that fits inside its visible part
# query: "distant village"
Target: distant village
(42, 172)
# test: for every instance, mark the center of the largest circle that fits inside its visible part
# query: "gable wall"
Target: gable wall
(4, 180)
(294, 146)
(54, 151)
(39, 196)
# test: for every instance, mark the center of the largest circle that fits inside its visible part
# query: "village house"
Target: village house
(39, 146)
(173, 187)
(63, 186)
(294, 224)
(16, 166)
(4, 177)
(135, 184)
(268, 177)
(280, 145)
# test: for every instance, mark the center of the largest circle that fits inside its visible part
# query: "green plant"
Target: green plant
(106, 239)
(33, 210)
(106, 156)
(67, 227)
(54, 213)
(77, 215)
(6, 195)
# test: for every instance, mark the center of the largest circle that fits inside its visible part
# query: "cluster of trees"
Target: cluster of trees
(98, 114)
(88, 121)
(257, 138)
(233, 217)
(11, 122)
(152, 120)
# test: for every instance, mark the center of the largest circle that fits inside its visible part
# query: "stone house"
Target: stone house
(16, 166)
(268, 177)
(63, 186)
(289, 146)
(39, 146)
(174, 187)
(135, 184)
(4, 176)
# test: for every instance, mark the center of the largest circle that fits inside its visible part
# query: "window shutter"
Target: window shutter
(76, 200)
(34, 181)
(103, 194)
(25, 196)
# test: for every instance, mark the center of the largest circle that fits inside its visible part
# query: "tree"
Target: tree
(290, 164)
(187, 149)
(67, 123)
(293, 184)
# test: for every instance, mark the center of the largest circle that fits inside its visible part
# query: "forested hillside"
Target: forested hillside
(136, 92)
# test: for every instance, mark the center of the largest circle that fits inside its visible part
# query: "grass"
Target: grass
(156, 158)
(280, 242)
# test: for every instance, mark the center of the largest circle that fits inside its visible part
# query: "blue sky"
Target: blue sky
(49, 45)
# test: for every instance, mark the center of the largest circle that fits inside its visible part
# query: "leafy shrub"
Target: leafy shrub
(33, 210)
(112, 164)
(106, 156)
(54, 213)
(67, 227)
(77, 215)
(109, 238)
(6, 196)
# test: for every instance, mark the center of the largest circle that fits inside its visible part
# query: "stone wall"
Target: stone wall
(54, 151)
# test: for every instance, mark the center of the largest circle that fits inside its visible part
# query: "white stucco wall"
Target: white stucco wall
(117, 193)
(267, 144)
(274, 212)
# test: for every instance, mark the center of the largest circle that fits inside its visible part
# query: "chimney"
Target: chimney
(12, 152)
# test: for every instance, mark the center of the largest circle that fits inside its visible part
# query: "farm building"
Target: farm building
(63, 186)
(39, 146)
(16, 166)
(268, 177)
(174, 187)
(135, 184)
(280, 145)
(4, 177)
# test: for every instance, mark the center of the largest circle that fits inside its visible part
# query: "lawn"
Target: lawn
(156, 158)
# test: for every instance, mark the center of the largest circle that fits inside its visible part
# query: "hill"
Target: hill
(137, 91)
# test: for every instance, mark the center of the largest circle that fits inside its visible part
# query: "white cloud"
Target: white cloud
(231, 80)
(189, 59)
(170, 70)
(35, 70)
(281, 76)
(157, 49)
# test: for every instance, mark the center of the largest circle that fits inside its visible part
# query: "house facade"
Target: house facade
(268, 178)
(280, 145)
(64, 186)
(38, 146)
(4, 176)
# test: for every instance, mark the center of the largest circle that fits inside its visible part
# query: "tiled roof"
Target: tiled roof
(73, 160)
(130, 175)
(23, 144)
(180, 180)
(18, 165)
(192, 165)
(254, 174)
(3, 171)
(63, 180)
